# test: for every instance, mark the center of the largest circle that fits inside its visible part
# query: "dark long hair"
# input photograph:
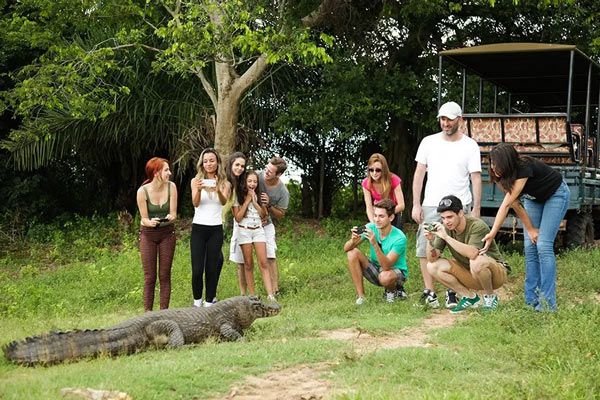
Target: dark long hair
(236, 182)
(243, 187)
(505, 160)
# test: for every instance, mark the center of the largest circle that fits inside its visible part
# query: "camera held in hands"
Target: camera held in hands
(430, 227)
(360, 229)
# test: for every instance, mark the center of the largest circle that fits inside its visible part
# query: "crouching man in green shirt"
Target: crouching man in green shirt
(468, 270)
(387, 263)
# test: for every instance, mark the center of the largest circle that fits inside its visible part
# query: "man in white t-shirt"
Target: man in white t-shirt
(450, 158)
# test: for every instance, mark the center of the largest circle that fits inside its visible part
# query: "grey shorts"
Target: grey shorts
(430, 214)
(371, 273)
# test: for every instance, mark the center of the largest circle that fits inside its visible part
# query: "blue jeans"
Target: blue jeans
(540, 261)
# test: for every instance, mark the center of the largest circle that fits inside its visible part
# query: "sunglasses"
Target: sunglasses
(374, 169)
(445, 203)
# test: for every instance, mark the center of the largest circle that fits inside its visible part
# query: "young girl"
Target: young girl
(236, 175)
(380, 184)
(210, 191)
(157, 203)
(249, 214)
(546, 199)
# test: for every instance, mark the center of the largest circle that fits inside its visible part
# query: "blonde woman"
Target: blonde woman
(210, 191)
(381, 184)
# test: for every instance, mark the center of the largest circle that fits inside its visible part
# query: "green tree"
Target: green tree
(225, 45)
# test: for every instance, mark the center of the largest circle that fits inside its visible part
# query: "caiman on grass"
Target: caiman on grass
(165, 328)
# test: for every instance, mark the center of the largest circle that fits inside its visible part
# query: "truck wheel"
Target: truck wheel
(580, 230)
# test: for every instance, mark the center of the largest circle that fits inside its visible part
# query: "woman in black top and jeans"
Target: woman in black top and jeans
(546, 198)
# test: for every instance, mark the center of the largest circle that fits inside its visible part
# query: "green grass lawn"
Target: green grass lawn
(514, 353)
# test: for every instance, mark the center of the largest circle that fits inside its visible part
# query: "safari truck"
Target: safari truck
(544, 100)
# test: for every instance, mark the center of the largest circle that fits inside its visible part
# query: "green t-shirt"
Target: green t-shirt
(395, 241)
(474, 231)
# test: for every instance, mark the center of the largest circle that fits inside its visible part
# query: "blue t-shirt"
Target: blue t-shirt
(395, 241)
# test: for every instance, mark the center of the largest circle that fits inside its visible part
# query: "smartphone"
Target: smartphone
(163, 220)
(209, 182)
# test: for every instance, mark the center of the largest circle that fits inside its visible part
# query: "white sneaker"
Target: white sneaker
(197, 303)
(432, 301)
(208, 304)
(390, 296)
(272, 298)
(360, 301)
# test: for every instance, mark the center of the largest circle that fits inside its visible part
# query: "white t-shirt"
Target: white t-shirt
(209, 212)
(252, 218)
(449, 165)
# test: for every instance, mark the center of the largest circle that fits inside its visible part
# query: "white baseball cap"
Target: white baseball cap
(450, 110)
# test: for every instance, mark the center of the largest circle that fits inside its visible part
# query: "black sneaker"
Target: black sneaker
(451, 300)
(432, 301)
(424, 295)
(400, 293)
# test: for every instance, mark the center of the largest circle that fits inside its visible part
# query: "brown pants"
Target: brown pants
(157, 242)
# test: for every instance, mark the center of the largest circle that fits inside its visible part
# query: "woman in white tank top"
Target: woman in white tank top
(210, 191)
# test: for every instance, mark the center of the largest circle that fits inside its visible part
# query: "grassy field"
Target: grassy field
(83, 276)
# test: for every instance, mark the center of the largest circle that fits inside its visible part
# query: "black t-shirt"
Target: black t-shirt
(543, 180)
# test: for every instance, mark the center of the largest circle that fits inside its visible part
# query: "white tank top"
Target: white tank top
(209, 212)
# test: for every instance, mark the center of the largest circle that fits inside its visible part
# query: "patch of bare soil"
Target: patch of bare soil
(94, 394)
(597, 297)
(306, 382)
(411, 337)
(297, 383)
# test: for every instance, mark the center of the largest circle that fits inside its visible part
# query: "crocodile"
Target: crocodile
(171, 328)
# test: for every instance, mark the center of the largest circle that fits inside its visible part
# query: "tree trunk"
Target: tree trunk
(228, 109)
(401, 153)
(321, 183)
(307, 205)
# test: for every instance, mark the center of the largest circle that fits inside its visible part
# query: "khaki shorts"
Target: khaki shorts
(463, 275)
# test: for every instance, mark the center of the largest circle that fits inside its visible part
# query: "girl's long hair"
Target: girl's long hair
(154, 165)
(200, 168)
(242, 190)
(236, 182)
(506, 162)
(386, 177)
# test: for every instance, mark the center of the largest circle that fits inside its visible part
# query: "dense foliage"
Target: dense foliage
(89, 91)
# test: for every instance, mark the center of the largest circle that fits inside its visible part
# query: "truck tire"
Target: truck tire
(580, 230)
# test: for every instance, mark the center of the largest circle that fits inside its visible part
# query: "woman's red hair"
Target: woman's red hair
(154, 165)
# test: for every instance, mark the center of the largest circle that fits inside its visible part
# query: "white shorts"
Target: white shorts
(250, 235)
(235, 252)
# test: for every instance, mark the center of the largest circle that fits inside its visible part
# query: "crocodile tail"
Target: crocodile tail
(56, 347)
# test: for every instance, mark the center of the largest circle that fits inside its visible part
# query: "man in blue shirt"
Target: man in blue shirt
(387, 263)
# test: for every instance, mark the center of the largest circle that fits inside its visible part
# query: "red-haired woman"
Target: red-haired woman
(381, 184)
(157, 202)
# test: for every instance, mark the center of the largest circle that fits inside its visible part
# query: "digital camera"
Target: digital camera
(430, 227)
(361, 229)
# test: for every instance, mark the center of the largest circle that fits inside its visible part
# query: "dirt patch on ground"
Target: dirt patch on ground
(298, 383)
(308, 382)
(597, 297)
(363, 342)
